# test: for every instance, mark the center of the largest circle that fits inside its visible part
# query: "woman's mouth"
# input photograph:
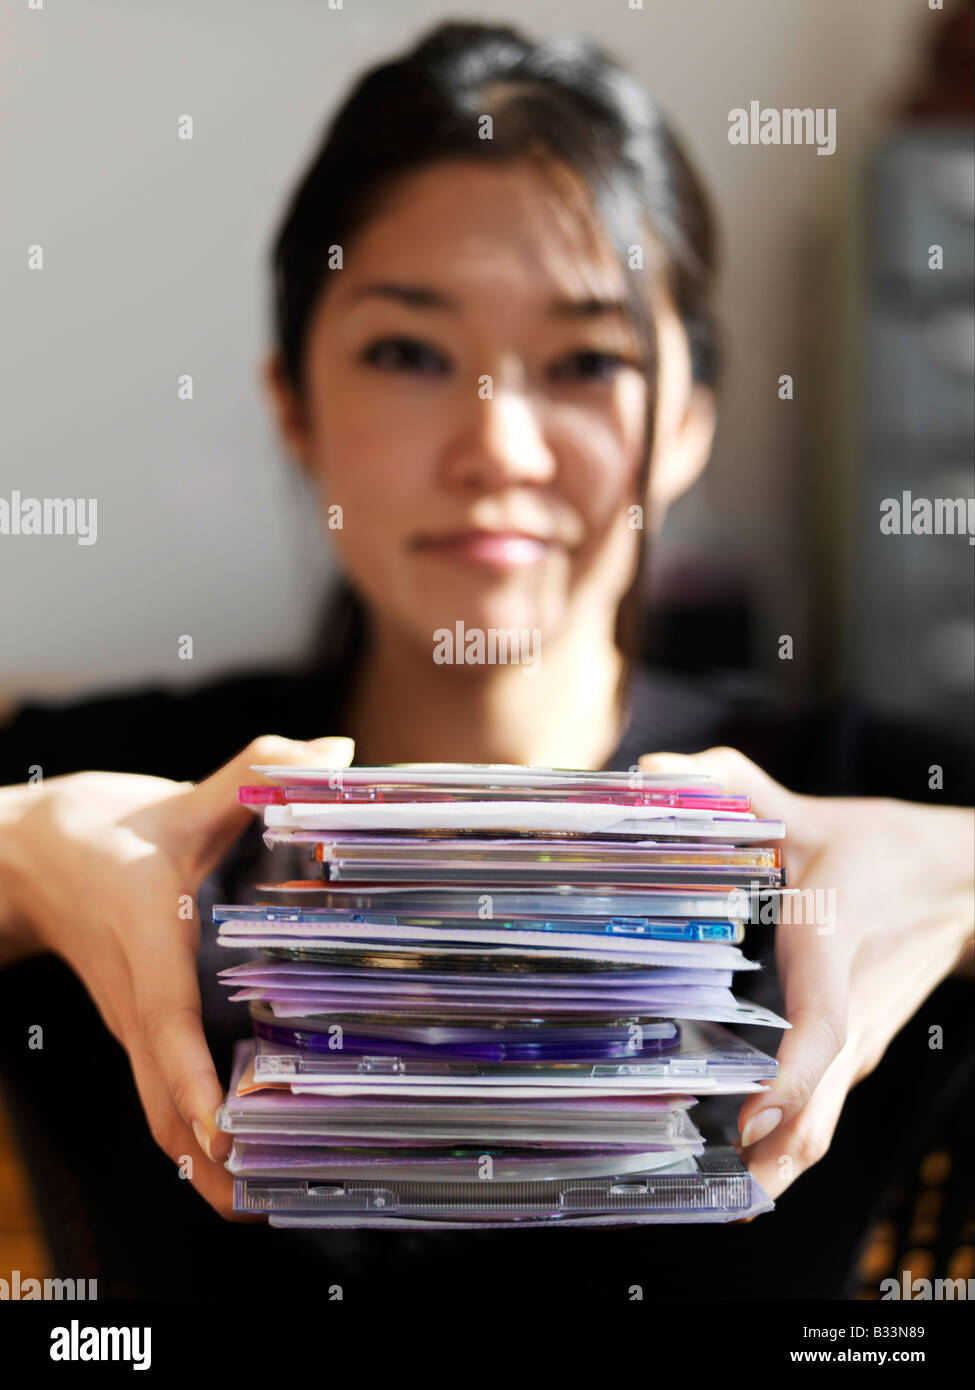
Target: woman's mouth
(498, 550)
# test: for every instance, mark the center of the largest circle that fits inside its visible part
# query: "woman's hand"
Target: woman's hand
(889, 917)
(103, 869)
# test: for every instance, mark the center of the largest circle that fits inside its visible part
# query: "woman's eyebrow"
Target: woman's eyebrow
(425, 297)
(417, 296)
(589, 308)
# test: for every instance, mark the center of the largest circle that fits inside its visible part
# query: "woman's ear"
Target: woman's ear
(684, 419)
(288, 410)
(681, 450)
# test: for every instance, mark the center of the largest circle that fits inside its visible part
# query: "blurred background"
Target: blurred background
(155, 266)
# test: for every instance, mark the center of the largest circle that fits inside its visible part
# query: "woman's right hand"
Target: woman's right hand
(103, 869)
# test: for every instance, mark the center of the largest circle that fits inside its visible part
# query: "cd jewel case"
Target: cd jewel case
(714, 1186)
(495, 998)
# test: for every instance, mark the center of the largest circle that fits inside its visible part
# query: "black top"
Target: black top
(114, 1208)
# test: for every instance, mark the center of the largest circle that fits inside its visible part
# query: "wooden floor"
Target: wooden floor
(22, 1244)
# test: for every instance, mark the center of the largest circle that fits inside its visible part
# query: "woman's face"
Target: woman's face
(475, 407)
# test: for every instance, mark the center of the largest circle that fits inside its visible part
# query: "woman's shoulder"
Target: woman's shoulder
(182, 732)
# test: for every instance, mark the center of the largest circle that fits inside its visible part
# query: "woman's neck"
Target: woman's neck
(563, 709)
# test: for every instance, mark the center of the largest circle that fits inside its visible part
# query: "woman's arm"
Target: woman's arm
(102, 869)
(15, 936)
(17, 939)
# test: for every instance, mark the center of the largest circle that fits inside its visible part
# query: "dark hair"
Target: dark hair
(561, 101)
(563, 98)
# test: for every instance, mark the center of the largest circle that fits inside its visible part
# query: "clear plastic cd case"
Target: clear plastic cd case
(714, 1186)
(496, 999)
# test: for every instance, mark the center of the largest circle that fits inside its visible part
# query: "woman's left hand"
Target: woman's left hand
(893, 897)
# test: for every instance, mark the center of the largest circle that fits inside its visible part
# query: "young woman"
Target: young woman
(495, 360)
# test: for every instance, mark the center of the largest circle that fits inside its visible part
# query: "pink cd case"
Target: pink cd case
(455, 782)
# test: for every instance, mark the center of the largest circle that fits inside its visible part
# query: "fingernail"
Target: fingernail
(202, 1138)
(760, 1125)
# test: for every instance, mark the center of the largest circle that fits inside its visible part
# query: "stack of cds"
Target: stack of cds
(496, 998)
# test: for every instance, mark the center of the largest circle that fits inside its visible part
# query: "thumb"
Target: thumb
(212, 816)
(733, 770)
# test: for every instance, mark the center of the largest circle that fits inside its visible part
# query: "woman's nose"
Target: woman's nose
(502, 443)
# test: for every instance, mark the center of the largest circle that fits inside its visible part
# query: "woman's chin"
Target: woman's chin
(465, 622)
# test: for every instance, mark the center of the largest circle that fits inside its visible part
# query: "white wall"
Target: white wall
(155, 265)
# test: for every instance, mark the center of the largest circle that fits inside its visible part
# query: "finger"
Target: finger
(793, 1147)
(210, 818)
(733, 770)
(167, 1001)
(803, 815)
(815, 973)
(175, 1138)
(111, 992)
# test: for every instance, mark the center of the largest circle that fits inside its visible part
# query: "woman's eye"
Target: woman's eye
(405, 355)
(589, 365)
